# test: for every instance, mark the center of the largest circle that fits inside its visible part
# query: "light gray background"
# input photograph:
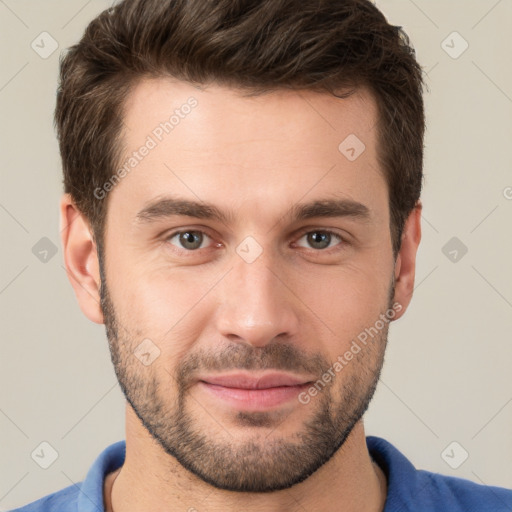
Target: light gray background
(447, 373)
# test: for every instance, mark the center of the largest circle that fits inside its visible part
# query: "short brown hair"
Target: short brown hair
(257, 46)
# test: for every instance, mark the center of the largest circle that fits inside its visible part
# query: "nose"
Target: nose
(257, 303)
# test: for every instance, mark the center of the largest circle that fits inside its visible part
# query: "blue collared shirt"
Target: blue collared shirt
(409, 489)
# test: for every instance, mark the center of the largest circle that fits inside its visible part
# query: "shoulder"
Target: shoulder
(85, 495)
(419, 490)
(64, 500)
(458, 494)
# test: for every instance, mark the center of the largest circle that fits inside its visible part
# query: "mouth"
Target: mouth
(254, 392)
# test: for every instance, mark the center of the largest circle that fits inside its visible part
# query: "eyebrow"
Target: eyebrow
(169, 207)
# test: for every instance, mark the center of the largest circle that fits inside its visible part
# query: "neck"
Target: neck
(152, 480)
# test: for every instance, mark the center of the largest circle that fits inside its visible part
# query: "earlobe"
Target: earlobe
(80, 258)
(405, 265)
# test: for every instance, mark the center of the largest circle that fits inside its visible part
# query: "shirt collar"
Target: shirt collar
(90, 497)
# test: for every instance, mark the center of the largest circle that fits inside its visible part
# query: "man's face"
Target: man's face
(260, 291)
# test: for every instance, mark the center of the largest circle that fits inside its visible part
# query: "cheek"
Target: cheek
(345, 302)
(161, 303)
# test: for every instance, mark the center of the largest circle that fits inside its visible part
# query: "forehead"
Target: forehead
(272, 149)
(221, 112)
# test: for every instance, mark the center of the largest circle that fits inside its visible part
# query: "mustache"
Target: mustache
(273, 356)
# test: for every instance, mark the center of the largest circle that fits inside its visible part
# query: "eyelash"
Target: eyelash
(342, 241)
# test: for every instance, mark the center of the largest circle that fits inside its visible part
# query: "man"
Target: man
(242, 212)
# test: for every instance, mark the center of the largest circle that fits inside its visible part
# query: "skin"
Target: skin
(296, 307)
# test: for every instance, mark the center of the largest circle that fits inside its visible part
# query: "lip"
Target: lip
(252, 392)
(255, 381)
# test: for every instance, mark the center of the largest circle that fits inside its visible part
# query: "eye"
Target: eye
(321, 239)
(189, 240)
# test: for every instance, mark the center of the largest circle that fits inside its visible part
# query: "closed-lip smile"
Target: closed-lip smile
(252, 381)
(254, 391)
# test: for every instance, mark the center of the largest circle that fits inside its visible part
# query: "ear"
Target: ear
(80, 258)
(405, 265)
